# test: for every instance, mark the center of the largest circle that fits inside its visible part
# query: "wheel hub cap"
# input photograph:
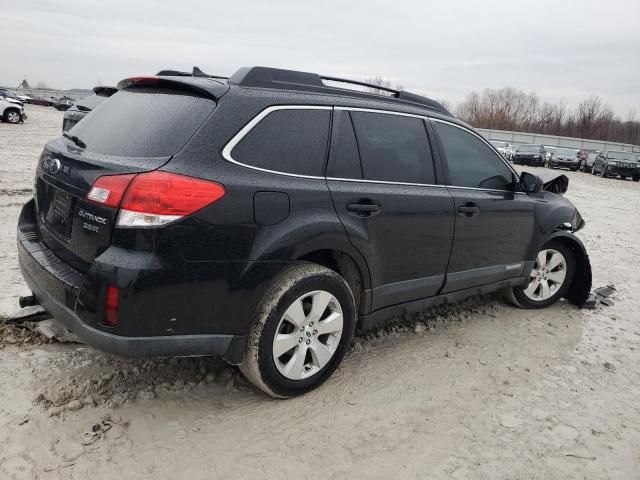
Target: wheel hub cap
(307, 335)
(547, 276)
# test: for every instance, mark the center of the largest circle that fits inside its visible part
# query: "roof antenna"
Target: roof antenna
(199, 73)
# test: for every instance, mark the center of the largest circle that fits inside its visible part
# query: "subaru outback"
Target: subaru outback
(266, 217)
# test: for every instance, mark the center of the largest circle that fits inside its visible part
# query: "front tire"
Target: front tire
(12, 115)
(635, 178)
(303, 328)
(550, 277)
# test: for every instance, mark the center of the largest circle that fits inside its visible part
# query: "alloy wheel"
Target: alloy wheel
(13, 117)
(307, 335)
(547, 276)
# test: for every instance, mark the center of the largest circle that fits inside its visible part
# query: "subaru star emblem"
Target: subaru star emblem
(51, 165)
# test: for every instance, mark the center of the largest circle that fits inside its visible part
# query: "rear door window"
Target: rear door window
(393, 148)
(143, 122)
(471, 162)
(345, 160)
(290, 141)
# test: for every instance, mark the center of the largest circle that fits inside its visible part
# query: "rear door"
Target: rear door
(136, 130)
(494, 224)
(383, 183)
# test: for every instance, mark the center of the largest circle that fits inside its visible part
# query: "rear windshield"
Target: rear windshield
(143, 122)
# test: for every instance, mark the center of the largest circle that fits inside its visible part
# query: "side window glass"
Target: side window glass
(345, 160)
(393, 148)
(291, 141)
(471, 162)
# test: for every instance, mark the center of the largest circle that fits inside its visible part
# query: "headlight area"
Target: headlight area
(577, 222)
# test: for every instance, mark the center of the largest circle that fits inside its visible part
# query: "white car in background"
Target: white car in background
(500, 146)
(11, 112)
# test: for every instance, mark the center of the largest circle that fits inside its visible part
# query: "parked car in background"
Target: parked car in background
(511, 150)
(587, 164)
(227, 217)
(500, 146)
(530, 155)
(548, 152)
(64, 104)
(44, 102)
(81, 108)
(582, 155)
(564, 158)
(11, 112)
(14, 95)
(13, 100)
(614, 163)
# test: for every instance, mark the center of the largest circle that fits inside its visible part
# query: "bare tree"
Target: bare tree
(512, 109)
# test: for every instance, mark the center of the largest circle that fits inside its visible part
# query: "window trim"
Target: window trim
(230, 145)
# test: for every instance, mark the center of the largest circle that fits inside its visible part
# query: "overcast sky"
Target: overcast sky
(560, 49)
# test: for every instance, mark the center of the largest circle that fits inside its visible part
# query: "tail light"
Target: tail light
(109, 190)
(155, 198)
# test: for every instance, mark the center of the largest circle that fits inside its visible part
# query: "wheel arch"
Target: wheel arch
(581, 286)
(351, 267)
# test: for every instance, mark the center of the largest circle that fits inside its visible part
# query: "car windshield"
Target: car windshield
(499, 144)
(529, 149)
(565, 151)
(621, 156)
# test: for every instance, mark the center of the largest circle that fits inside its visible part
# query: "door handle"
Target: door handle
(363, 209)
(469, 210)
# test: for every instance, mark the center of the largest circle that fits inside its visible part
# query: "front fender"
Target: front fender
(580, 288)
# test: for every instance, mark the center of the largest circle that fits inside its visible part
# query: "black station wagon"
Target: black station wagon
(266, 217)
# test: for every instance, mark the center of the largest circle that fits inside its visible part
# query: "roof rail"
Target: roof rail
(266, 77)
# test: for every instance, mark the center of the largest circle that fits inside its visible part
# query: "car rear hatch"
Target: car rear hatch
(138, 130)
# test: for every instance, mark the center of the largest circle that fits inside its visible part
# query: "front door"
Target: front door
(493, 223)
(383, 188)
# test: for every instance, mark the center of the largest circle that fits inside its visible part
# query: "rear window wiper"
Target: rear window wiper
(75, 139)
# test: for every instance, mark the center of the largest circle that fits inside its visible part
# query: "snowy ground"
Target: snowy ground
(481, 390)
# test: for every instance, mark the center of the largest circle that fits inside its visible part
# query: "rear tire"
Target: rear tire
(635, 178)
(303, 328)
(551, 278)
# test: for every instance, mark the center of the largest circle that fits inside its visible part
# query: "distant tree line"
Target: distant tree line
(514, 110)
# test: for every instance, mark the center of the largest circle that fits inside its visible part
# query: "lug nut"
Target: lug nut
(311, 324)
(308, 342)
(315, 332)
(300, 340)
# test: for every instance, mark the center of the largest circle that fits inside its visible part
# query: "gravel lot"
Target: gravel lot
(480, 390)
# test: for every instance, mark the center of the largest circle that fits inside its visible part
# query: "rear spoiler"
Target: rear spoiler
(205, 86)
(104, 91)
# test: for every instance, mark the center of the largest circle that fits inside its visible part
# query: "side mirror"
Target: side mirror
(530, 183)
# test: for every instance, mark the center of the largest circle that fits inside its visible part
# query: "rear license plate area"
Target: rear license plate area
(58, 212)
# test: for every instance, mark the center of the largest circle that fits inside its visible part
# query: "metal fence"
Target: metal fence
(518, 138)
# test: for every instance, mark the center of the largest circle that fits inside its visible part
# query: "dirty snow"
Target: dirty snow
(480, 390)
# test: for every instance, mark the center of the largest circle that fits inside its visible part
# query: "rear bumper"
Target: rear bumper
(57, 287)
